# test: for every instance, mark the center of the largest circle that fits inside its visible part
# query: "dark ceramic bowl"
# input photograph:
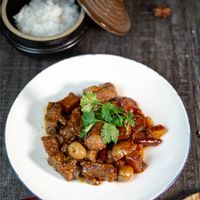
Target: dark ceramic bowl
(38, 45)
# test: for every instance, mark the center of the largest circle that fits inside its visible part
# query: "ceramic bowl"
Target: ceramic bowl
(38, 45)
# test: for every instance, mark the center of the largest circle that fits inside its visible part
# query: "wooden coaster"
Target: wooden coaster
(195, 196)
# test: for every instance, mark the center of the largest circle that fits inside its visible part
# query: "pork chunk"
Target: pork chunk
(50, 143)
(122, 149)
(104, 93)
(92, 180)
(52, 117)
(70, 102)
(99, 171)
(73, 126)
(91, 155)
(68, 168)
(93, 140)
(135, 159)
(129, 105)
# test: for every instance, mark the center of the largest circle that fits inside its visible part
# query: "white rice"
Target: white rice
(47, 17)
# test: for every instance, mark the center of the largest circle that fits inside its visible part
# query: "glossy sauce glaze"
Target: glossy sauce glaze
(90, 158)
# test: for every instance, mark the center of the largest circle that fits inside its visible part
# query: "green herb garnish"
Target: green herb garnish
(109, 133)
(88, 101)
(89, 120)
(85, 130)
(129, 119)
(110, 112)
(111, 115)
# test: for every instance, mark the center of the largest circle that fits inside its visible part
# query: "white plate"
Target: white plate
(155, 96)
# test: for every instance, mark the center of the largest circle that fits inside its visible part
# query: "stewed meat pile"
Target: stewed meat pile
(98, 136)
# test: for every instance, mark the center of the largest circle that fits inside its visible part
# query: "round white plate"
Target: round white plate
(155, 96)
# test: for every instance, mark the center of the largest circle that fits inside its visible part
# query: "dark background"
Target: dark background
(170, 46)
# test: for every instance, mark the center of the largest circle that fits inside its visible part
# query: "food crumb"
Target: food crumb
(193, 31)
(186, 55)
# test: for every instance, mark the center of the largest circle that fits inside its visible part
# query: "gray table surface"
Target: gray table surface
(170, 46)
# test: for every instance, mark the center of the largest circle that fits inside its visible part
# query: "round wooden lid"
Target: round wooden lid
(111, 15)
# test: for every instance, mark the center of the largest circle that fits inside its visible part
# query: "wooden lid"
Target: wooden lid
(195, 196)
(111, 15)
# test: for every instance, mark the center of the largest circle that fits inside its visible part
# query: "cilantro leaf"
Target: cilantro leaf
(109, 133)
(98, 113)
(88, 118)
(86, 130)
(110, 114)
(109, 111)
(106, 112)
(88, 102)
(118, 121)
(129, 119)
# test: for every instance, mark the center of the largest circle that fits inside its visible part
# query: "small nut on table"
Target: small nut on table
(198, 133)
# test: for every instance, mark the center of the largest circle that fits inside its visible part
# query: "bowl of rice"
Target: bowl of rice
(42, 26)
